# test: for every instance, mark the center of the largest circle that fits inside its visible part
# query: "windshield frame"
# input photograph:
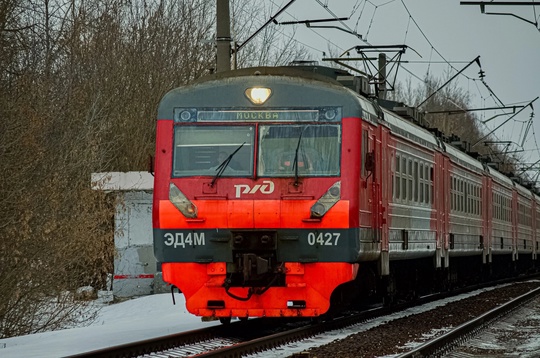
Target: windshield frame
(301, 151)
(197, 150)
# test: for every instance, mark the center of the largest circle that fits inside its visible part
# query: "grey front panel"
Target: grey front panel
(324, 245)
(287, 92)
(291, 245)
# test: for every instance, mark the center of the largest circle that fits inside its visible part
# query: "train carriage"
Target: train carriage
(284, 191)
(465, 219)
(523, 223)
(412, 226)
(277, 234)
(502, 234)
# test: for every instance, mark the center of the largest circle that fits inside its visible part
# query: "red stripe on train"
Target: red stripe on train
(123, 277)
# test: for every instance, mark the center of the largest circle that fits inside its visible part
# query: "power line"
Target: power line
(483, 5)
(315, 32)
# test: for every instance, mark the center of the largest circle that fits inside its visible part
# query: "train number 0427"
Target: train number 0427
(323, 238)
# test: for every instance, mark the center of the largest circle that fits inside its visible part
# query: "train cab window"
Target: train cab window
(306, 150)
(202, 150)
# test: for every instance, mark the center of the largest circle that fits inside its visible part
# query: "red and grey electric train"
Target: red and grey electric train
(279, 191)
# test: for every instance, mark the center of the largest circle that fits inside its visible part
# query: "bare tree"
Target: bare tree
(271, 46)
(463, 127)
(80, 82)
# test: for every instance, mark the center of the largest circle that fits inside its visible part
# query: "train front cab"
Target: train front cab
(275, 236)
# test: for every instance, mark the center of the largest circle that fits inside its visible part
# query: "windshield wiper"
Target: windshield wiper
(221, 168)
(295, 163)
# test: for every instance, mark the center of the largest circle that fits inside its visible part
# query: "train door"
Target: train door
(368, 174)
(487, 229)
(440, 181)
(375, 174)
(514, 222)
(382, 192)
(376, 179)
(445, 200)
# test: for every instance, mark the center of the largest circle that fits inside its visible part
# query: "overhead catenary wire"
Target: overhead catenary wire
(361, 7)
(492, 93)
(326, 39)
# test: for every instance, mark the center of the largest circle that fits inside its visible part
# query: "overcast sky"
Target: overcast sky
(440, 31)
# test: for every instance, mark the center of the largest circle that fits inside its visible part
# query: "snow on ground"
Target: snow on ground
(128, 321)
(153, 316)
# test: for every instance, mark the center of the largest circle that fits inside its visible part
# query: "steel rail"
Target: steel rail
(448, 341)
(259, 334)
(172, 341)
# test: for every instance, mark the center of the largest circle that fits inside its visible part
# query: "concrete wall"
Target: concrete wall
(134, 263)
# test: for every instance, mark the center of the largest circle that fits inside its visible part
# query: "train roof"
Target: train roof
(523, 190)
(317, 73)
(464, 159)
(291, 85)
(407, 129)
(500, 178)
(307, 73)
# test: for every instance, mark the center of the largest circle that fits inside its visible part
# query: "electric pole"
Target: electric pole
(382, 76)
(223, 36)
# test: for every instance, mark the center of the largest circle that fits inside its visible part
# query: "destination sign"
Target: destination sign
(326, 114)
(250, 116)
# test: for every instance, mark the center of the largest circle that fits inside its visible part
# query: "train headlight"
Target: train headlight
(181, 202)
(329, 199)
(318, 210)
(258, 95)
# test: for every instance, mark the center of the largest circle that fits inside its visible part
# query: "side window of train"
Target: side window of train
(466, 200)
(496, 207)
(421, 184)
(403, 178)
(416, 181)
(430, 199)
(480, 199)
(507, 211)
(426, 184)
(410, 179)
(397, 178)
(452, 193)
(461, 196)
(364, 152)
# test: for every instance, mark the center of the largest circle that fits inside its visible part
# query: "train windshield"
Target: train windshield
(205, 150)
(304, 150)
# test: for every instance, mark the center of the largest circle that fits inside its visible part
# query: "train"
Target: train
(287, 191)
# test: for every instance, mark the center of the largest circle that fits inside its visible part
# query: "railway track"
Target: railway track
(248, 337)
(445, 343)
(189, 343)
(239, 338)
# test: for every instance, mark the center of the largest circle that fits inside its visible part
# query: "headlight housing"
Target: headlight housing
(325, 203)
(181, 202)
